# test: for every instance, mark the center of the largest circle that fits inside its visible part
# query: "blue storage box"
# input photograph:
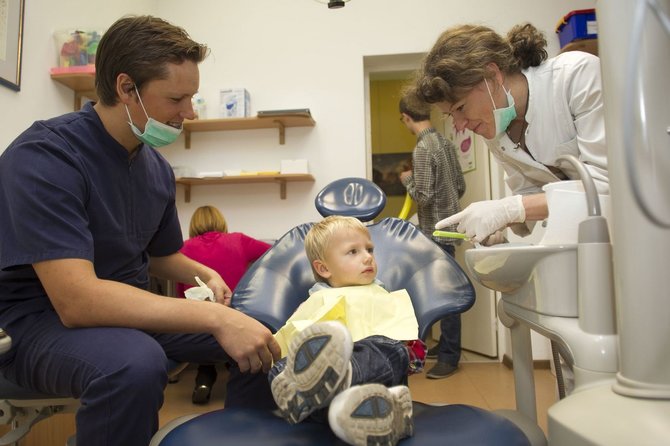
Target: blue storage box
(576, 25)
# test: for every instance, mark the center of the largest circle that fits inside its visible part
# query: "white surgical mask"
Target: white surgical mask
(502, 116)
(156, 134)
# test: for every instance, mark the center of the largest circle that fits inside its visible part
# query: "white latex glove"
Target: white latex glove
(483, 218)
(201, 292)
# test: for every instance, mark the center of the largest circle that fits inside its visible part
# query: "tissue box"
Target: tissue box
(76, 47)
(234, 103)
(183, 171)
(294, 166)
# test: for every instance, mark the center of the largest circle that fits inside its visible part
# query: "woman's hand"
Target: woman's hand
(483, 218)
(495, 239)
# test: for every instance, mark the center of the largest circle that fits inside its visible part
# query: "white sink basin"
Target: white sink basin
(540, 278)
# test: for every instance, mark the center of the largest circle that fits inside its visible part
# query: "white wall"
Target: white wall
(40, 97)
(298, 53)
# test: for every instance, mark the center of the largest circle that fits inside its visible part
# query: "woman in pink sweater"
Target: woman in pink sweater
(229, 254)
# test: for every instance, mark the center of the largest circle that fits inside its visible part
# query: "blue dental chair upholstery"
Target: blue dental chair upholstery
(275, 285)
(353, 197)
(278, 282)
(453, 424)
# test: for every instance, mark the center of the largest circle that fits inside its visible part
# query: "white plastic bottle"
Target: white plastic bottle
(199, 106)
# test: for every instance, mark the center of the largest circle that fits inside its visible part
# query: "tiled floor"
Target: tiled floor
(480, 382)
(484, 383)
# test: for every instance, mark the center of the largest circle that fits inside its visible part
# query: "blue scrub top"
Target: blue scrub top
(69, 190)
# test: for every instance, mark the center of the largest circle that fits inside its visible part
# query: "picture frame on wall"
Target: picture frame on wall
(11, 42)
(464, 142)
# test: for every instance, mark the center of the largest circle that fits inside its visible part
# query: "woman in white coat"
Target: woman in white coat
(530, 109)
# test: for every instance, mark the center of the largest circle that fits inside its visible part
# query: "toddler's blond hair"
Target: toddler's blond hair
(318, 238)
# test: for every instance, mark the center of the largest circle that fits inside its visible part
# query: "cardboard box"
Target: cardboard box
(234, 103)
(183, 171)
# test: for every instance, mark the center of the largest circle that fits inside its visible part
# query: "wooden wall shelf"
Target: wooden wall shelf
(83, 85)
(280, 179)
(279, 122)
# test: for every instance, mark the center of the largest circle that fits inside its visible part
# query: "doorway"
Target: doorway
(385, 134)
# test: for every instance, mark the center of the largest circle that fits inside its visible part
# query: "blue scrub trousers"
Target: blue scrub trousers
(119, 374)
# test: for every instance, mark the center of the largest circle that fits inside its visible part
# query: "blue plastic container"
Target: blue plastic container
(576, 25)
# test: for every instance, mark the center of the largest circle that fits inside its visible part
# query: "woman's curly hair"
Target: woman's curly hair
(460, 59)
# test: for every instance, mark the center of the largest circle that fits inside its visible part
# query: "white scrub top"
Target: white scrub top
(565, 116)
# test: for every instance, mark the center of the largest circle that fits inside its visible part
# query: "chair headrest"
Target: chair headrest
(353, 197)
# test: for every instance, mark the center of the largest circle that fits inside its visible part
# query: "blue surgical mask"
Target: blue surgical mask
(502, 116)
(156, 134)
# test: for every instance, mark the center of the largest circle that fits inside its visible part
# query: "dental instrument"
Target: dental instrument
(449, 234)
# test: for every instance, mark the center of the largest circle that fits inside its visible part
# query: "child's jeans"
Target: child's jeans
(375, 359)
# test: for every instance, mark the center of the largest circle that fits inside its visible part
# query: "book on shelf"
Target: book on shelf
(293, 112)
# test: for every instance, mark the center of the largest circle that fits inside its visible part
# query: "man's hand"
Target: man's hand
(222, 293)
(248, 342)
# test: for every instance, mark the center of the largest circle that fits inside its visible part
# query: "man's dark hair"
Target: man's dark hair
(141, 46)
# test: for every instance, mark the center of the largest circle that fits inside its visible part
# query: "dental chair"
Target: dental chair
(280, 280)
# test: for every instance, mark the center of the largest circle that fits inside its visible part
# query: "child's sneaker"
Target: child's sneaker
(317, 368)
(372, 414)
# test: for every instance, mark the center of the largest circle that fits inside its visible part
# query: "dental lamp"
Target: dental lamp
(333, 4)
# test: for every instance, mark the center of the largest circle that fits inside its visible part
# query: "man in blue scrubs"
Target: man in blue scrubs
(87, 212)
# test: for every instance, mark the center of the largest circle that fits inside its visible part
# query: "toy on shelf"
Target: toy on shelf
(76, 47)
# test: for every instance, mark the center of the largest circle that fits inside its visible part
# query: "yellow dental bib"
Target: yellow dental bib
(365, 310)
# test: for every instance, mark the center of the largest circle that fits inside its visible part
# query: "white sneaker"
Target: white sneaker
(372, 414)
(318, 366)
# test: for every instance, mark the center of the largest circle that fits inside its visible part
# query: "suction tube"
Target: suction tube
(595, 287)
(592, 202)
